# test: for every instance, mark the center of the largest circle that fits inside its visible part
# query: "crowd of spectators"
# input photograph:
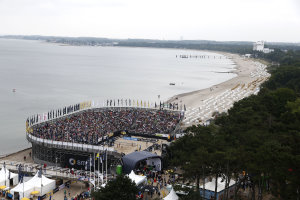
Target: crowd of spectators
(94, 125)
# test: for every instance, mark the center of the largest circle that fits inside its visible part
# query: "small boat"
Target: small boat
(172, 83)
(14, 90)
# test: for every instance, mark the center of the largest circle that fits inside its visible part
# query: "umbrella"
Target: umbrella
(25, 198)
(2, 187)
(35, 192)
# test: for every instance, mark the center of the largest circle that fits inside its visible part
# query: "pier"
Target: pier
(201, 56)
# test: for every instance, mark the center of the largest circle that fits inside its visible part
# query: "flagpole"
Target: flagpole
(4, 166)
(41, 181)
(102, 161)
(98, 170)
(94, 173)
(90, 171)
(106, 164)
(23, 186)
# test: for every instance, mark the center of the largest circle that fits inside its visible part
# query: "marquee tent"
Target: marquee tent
(137, 178)
(41, 184)
(131, 161)
(22, 189)
(171, 196)
(6, 176)
(210, 188)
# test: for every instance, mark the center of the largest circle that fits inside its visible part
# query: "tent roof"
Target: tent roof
(171, 196)
(4, 174)
(33, 182)
(130, 160)
(36, 181)
(19, 188)
(136, 178)
(221, 185)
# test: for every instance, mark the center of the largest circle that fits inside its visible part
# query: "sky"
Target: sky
(222, 20)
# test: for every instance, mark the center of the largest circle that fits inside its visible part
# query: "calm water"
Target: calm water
(48, 76)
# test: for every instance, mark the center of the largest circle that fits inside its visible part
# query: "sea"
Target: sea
(36, 76)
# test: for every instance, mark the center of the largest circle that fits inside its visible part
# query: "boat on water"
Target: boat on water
(172, 84)
(14, 90)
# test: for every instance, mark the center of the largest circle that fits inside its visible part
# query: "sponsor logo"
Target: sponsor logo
(72, 161)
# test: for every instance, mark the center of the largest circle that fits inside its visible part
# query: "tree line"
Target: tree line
(257, 141)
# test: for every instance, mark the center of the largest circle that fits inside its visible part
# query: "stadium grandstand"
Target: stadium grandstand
(85, 128)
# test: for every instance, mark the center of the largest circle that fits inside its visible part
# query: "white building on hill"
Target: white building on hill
(260, 46)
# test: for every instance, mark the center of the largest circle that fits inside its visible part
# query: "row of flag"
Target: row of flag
(53, 114)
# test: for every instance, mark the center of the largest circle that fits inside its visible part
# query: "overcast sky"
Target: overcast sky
(236, 20)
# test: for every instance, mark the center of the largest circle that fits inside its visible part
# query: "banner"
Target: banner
(76, 161)
(130, 138)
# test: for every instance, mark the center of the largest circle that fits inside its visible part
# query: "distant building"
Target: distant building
(267, 50)
(260, 46)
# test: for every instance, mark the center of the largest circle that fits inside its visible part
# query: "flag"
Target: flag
(40, 173)
(20, 173)
(104, 155)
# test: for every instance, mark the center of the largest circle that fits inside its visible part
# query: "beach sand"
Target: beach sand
(249, 77)
(19, 156)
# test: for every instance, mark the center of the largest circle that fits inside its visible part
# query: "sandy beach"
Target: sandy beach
(202, 104)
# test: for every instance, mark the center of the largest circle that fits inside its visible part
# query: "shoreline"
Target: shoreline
(13, 153)
(201, 104)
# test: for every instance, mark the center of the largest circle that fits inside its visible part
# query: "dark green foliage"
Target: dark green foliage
(119, 189)
(259, 135)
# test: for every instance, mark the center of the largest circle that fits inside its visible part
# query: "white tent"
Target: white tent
(6, 176)
(22, 187)
(171, 196)
(137, 178)
(41, 184)
(220, 185)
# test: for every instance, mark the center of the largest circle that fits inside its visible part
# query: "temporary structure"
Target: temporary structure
(41, 184)
(137, 178)
(6, 176)
(171, 196)
(211, 185)
(131, 161)
(22, 189)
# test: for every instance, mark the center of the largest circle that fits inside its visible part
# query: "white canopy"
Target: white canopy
(22, 187)
(41, 184)
(137, 178)
(171, 196)
(6, 175)
(220, 185)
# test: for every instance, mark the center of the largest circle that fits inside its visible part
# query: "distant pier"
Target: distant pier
(201, 56)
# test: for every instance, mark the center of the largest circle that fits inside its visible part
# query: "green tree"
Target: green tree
(119, 189)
